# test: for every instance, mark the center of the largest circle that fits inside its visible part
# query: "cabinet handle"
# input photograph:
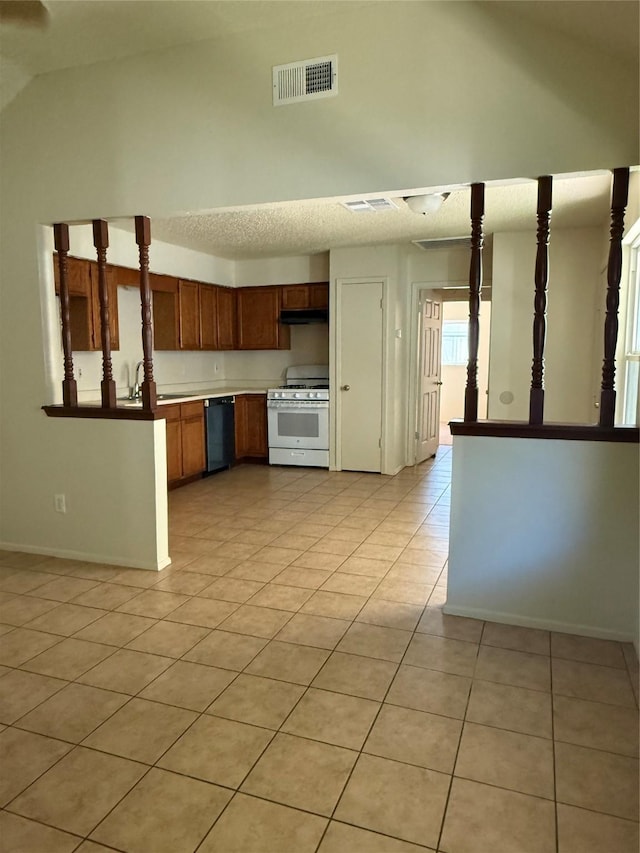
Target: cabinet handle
(345, 387)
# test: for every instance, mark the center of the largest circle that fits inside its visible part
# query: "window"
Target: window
(455, 343)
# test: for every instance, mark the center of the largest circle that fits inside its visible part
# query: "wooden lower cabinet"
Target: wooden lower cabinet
(251, 426)
(186, 454)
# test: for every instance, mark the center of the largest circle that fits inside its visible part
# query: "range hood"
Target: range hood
(304, 316)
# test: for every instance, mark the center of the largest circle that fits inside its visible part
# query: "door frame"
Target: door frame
(413, 353)
(335, 368)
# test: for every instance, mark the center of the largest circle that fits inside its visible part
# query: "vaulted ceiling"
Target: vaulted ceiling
(80, 32)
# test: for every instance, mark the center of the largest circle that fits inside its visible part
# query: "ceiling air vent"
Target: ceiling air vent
(370, 205)
(444, 243)
(306, 80)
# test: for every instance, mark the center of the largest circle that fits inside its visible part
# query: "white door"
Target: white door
(428, 409)
(359, 363)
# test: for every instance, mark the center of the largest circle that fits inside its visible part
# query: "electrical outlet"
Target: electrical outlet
(59, 503)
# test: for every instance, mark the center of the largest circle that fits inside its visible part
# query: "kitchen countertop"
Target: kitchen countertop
(187, 396)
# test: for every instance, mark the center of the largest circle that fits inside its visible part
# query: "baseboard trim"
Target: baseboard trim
(544, 624)
(67, 554)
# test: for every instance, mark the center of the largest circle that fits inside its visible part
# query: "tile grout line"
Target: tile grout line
(455, 759)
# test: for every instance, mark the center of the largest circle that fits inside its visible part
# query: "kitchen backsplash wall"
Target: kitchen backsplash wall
(309, 345)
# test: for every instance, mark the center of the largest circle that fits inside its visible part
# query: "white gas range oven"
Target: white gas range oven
(298, 417)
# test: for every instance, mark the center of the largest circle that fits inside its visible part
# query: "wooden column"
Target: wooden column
(69, 385)
(475, 289)
(101, 242)
(143, 239)
(536, 397)
(619, 198)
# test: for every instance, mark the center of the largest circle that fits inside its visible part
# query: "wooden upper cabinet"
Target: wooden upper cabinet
(319, 295)
(258, 319)
(189, 315)
(78, 276)
(164, 295)
(84, 303)
(226, 318)
(301, 296)
(208, 295)
(295, 296)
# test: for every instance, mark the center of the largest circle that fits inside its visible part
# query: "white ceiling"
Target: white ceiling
(81, 32)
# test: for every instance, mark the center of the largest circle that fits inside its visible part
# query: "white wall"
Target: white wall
(575, 257)
(89, 462)
(193, 128)
(545, 534)
(454, 377)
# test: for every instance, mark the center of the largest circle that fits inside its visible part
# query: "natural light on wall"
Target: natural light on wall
(631, 408)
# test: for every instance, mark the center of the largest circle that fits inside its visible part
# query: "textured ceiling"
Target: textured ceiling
(309, 227)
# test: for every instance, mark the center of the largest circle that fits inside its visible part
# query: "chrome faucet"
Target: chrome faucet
(136, 391)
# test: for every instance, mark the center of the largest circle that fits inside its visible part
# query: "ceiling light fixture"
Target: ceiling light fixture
(429, 203)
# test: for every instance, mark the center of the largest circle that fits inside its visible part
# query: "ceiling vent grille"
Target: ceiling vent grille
(444, 243)
(370, 205)
(307, 80)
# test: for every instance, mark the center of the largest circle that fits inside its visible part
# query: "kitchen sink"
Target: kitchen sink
(128, 402)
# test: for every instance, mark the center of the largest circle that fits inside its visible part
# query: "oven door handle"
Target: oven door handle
(298, 404)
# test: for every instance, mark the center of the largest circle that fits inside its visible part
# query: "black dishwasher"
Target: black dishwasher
(219, 423)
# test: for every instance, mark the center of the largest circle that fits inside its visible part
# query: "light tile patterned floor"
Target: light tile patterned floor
(291, 685)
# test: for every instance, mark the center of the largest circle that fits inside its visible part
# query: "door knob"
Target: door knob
(345, 387)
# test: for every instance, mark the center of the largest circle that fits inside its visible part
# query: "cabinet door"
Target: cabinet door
(251, 426)
(78, 276)
(174, 442)
(240, 425)
(295, 296)
(208, 316)
(226, 318)
(114, 327)
(165, 314)
(189, 315)
(81, 304)
(258, 319)
(193, 446)
(319, 295)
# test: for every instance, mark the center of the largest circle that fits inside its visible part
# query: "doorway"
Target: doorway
(455, 354)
